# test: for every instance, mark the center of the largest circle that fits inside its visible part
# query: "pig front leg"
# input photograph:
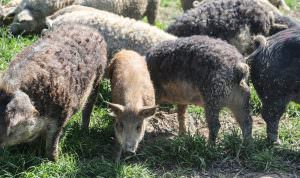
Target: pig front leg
(52, 140)
(117, 153)
(212, 118)
(182, 116)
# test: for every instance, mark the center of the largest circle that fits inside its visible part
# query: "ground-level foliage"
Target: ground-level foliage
(89, 153)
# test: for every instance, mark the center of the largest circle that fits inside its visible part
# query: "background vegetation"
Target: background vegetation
(89, 153)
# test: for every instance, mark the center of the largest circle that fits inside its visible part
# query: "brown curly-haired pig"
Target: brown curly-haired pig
(202, 71)
(48, 82)
(133, 98)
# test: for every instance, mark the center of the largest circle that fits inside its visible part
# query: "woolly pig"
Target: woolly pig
(188, 4)
(132, 96)
(275, 73)
(202, 71)
(235, 21)
(136, 9)
(7, 9)
(279, 17)
(48, 82)
(30, 14)
(119, 32)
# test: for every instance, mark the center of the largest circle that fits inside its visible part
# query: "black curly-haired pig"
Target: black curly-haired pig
(203, 71)
(275, 73)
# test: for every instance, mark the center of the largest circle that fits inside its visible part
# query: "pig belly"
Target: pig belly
(180, 92)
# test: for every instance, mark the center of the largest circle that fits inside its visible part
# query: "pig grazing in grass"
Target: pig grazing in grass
(48, 82)
(275, 73)
(29, 15)
(202, 71)
(119, 32)
(188, 4)
(235, 21)
(132, 96)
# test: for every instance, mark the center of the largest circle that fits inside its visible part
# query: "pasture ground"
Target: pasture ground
(89, 153)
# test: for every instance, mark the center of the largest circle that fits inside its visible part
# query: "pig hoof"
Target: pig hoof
(274, 142)
(277, 142)
(182, 132)
(211, 142)
(53, 157)
(117, 160)
(247, 141)
(273, 139)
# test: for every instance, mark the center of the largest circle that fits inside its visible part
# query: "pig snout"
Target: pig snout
(130, 147)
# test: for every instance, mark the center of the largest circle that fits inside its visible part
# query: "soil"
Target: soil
(165, 124)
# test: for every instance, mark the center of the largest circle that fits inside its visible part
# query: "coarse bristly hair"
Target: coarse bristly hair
(54, 77)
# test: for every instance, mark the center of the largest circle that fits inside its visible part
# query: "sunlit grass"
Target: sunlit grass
(89, 153)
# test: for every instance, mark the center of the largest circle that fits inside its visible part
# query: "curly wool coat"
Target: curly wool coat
(275, 73)
(203, 71)
(235, 21)
(30, 15)
(188, 4)
(119, 32)
(58, 73)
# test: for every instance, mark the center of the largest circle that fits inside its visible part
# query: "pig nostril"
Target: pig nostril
(130, 149)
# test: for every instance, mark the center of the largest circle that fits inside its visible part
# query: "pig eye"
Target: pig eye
(139, 127)
(119, 125)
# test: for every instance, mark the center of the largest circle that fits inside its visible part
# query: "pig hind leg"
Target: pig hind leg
(271, 112)
(88, 108)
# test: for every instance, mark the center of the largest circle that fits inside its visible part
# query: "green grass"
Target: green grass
(10, 46)
(294, 4)
(89, 153)
(4, 1)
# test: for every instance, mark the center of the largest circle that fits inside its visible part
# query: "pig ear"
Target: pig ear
(277, 28)
(196, 4)
(116, 108)
(25, 15)
(147, 111)
(280, 26)
(35, 112)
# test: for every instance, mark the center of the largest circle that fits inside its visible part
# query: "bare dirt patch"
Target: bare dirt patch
(295, 14)
(165, 124)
